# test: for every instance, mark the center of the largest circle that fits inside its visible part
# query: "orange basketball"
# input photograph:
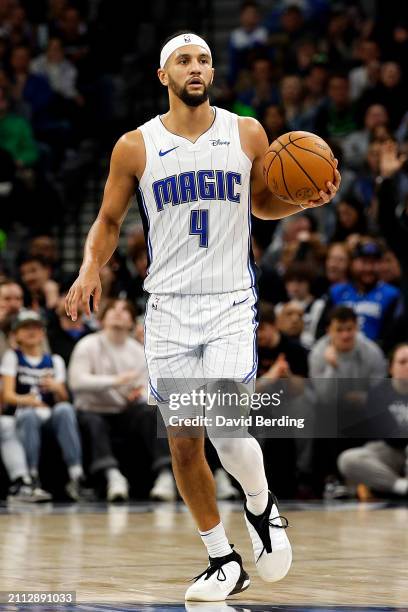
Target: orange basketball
(297, 166)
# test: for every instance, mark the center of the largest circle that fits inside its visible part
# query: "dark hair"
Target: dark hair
(248, 4)
(339, 75)
(267, 313)
(314, 226)
(299, 271)
(393, 351)
(342, 314)
(178, 33)
(128, 306)
(293, 8)
(27, 258)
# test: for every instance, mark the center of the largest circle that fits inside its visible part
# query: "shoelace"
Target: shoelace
(215, 566)
(264, 525)
(211, 569)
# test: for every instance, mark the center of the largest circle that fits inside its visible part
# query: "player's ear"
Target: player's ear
(212, 78)
(162, 77)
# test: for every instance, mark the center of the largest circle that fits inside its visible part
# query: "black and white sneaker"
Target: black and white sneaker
(272, 549)
(22, 491)
(223, 577)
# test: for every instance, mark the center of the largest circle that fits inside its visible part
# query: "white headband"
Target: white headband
(181, 41)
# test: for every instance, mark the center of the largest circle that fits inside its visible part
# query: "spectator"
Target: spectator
(344, 353)
(338, 38)
(297, 239)
(290, 30)
(108, 377)
(31, 92)
(392, 214)
(337, 263)
(305, 53)
(376, 303)
(139, 260)
(336, 119)
(73, 34)
(41, 292)
(289, 320)
(64, 333)
(315, 83)
(355, 146)
(389, 268)
(116, 279)
(60, 72)
(262, 93)
(390, 92)
(11, 302)
(350, 219)
(19, 30)
(248, 37)
(365, 75)
(270, 284)
(22, 487)
(365, 184)
(343, 364)
(16, 136)
(274, 122)
(279, 357)
(46, 246)
(34, 390)
(298, 283)
(381, 465)
(283, 365)
(291, 92)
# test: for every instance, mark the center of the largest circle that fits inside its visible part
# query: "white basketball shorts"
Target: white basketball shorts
(193, 339)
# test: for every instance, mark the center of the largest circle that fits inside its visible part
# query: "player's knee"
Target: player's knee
(186, 451)
(227, 448)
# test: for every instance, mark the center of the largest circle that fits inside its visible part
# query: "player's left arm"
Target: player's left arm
(265, 204)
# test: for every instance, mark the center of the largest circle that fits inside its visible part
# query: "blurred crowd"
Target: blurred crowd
(333, 282)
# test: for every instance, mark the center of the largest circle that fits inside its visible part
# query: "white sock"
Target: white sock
(112, 473)
(400, 486)
(257, 502)
(75, 472)
(216, 541)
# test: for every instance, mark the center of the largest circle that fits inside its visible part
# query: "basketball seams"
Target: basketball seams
(303, 170)
(310, 151)
(283, 178)
(272, 160)
(283, 146)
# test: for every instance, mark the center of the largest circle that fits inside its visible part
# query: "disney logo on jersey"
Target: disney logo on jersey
(194, 186)
(216, 143)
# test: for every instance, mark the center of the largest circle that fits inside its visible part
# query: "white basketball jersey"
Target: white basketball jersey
(196, 208)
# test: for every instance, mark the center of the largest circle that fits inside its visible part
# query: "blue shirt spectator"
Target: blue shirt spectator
(374, 301)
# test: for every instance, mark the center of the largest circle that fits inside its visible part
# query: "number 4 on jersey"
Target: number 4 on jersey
(199, 226)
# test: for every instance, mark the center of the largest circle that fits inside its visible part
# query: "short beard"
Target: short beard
(188, 99)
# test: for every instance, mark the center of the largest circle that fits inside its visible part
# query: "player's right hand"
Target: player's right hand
(88, 283)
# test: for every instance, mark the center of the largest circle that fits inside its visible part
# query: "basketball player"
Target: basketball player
(199, 170)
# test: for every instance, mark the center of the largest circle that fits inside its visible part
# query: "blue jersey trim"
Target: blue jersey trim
(146, 227)
(254, 307)
(155, 393)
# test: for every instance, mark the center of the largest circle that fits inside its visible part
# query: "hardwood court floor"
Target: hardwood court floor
(145, 554)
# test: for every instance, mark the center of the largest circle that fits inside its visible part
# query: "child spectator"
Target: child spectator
(34, 391)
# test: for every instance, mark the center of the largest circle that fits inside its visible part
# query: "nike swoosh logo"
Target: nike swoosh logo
(237, 303)
(161, 153)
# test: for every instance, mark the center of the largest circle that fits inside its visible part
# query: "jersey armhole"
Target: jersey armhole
(239, 141)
